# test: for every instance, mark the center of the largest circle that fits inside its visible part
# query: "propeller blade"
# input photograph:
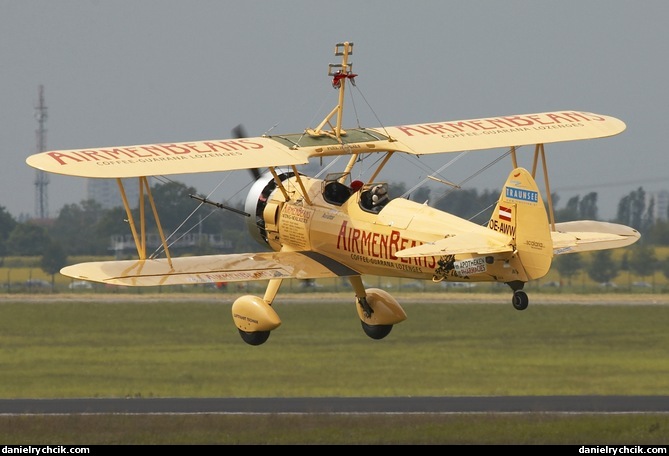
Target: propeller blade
(239, 131)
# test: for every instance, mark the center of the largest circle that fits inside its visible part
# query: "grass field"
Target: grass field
(452, 344)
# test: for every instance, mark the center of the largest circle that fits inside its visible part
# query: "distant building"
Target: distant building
(108, 195)
(660, 211)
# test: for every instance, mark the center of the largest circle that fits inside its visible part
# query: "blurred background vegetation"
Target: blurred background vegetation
(32, 251)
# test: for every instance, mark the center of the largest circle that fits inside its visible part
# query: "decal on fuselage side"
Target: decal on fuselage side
(445, 268)
(470, 266)
(501, 227)
(450, 268)
(295, 226)
(379, 249)
(505, 213)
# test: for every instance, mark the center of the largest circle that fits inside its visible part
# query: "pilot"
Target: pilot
(379, 196)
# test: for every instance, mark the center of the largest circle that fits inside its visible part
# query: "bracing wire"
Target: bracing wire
(482, 211)
(370, 108)
(446, 165)
(464, 181)
(328, 166)
(159, 250)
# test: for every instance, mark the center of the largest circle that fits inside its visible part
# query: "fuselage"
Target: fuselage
(348, 230)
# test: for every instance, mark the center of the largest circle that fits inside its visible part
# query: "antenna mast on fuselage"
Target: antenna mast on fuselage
(340, 72)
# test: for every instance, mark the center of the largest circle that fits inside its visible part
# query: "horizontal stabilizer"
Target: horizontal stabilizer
(587, 235)
(473, 243)
(240, 267)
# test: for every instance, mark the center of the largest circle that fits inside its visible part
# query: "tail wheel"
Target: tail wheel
(254, 338)
(520, 300)
(376, 331)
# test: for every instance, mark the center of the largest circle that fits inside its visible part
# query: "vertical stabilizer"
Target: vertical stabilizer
(520, 213)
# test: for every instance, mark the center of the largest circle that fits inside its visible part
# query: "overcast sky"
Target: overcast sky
(135, 72)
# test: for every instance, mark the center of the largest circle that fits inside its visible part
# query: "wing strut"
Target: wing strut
(381, 165)
(539, 151)
(140, 239)
(301, 184)
(539, 154)
(349, 168)
(131, 220)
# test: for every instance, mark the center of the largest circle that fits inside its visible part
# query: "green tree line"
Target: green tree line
(86, 229)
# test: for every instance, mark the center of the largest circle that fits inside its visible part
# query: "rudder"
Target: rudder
(520, 213)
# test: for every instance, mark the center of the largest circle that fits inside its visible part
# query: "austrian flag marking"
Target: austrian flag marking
(505, 213)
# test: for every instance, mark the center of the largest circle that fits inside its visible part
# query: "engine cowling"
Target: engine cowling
(261, 191)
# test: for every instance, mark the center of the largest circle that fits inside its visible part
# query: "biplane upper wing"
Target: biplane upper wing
(587, 235)
(166, 159)
(296, 149)
(240, 267)
(505, 131)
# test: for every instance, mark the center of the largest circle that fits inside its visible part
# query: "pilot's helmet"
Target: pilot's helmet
(379, 195)
(379, 190)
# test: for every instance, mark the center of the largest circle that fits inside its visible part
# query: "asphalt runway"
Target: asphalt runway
(339, 405)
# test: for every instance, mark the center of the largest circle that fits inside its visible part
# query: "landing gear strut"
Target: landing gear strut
(367, 310)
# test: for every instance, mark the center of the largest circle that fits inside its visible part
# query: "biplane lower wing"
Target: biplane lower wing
(239, 267)
(587, 235)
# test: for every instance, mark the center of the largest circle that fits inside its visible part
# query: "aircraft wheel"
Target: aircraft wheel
(254, 338)
(376, 331)
(520, 300)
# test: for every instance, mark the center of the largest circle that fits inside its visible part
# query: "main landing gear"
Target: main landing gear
(377, 309)
(256, 319)
(374, 331)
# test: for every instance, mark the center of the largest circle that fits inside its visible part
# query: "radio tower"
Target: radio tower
(41, 178)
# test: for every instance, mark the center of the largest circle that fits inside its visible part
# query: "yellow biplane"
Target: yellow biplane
(336, 227)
